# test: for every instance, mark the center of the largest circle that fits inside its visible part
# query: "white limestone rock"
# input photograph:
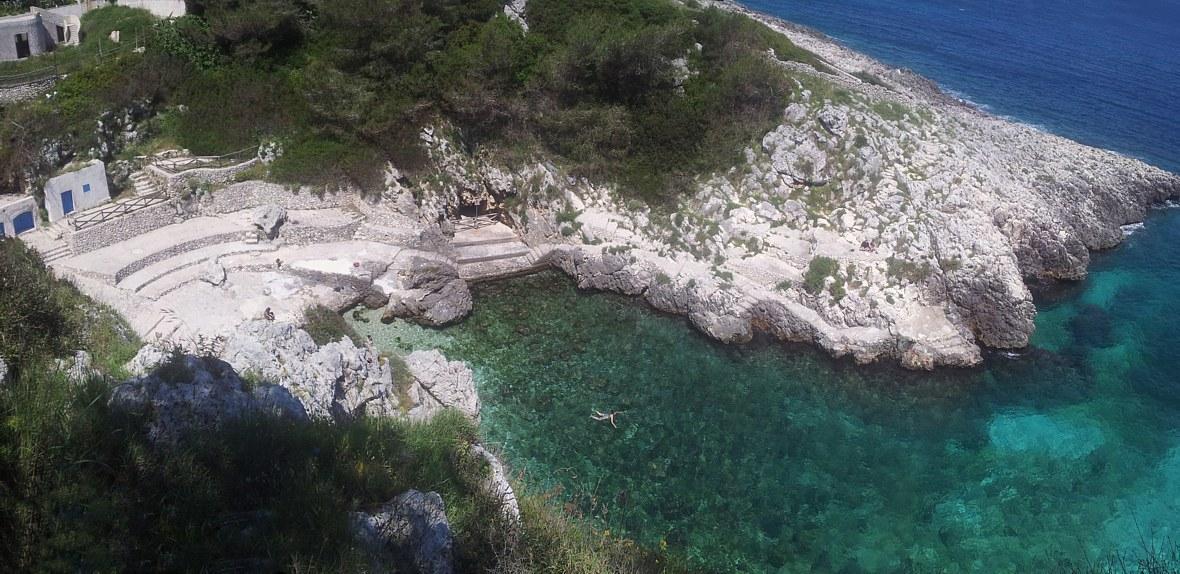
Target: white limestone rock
(338, 380)
(440, 384)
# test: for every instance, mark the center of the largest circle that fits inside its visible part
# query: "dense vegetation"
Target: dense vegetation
(83, 490)
(646, 93)
(9, 7)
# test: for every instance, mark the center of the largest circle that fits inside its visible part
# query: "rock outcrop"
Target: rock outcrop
(881, 220)
(337, 380)
(440, 384)
(408, 534)
(268, 219)
(194, 394)
(427, 291)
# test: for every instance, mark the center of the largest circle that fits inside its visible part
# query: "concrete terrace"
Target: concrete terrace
(166, 281)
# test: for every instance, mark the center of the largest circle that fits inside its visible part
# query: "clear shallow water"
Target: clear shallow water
(1104, 72)
(764, 458)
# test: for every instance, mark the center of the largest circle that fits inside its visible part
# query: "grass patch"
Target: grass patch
(327, 326)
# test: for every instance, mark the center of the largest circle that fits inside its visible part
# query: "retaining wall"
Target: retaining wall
(251, 194)
(176, 184)
(123, 228)
(28, 91)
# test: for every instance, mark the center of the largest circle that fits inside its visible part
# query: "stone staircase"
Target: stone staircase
(56, 253)
(491, 251)
(163, 277)
(145, 184)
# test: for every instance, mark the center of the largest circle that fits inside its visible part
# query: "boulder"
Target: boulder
(440, 384)
(147, 360)
(408, 534)
(213, 273)
(188, 393)
(429, 292)
(268, 219)
(338, 380)
(833, 119)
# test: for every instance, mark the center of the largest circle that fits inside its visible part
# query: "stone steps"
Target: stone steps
(144, 184)
(60, 252)
(490, 252)
(161, 278)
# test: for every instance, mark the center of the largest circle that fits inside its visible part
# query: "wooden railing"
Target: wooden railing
(39, 75)
(116, 210)
(180, 165)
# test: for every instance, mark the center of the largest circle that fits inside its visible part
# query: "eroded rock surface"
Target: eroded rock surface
(408, 534)
(338, 380)
(427, 291)
(194, 394)
(881, 220)
(439, 384)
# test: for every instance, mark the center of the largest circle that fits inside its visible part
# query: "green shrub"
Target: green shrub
(818, 272)
(326, 326)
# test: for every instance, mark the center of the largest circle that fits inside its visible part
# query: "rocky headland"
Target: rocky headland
(882, 220)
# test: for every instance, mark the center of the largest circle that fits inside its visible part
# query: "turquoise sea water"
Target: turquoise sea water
(766, 458)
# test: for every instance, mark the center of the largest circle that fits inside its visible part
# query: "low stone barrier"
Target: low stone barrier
(176, 184)
(305, 235)
(251, 194)
(173, 251)
(26, 91)
(123, 228)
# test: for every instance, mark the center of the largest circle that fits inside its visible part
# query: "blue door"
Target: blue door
(67, 202)
(22, 223)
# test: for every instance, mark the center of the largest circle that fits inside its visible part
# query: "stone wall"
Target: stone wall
(307, 235)
(251, 194)
(30, 90)
(174, 250)
(123, 228)
(179, 183)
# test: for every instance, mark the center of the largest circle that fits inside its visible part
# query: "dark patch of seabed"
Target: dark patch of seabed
(765, 458)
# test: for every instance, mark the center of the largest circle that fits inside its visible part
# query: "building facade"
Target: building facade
(77, 190)
(37, 32)
(18, 214)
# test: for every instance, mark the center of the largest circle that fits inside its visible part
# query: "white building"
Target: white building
(18, 214)
(77, 189)
(38, 31)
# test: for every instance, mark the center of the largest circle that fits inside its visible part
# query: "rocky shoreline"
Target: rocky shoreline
(883, 220)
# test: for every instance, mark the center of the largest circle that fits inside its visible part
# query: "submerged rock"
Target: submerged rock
(1051, 435)
(408, 534)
